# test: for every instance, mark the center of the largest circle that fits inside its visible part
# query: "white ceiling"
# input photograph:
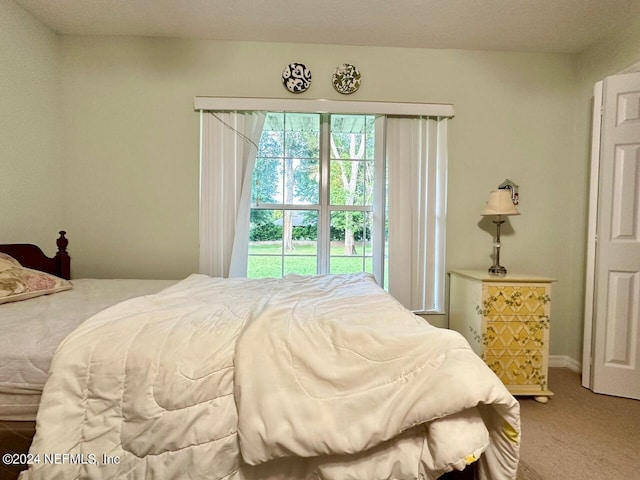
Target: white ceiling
(562, 26)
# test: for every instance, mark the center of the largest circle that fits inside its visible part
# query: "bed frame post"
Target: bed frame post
(62, 257)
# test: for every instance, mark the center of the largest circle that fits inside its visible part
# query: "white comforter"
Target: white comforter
(211, 377)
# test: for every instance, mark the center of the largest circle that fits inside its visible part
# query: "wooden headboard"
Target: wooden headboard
(30, 256)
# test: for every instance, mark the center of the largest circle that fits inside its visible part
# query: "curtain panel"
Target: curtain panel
(228, 149)
(416, 155)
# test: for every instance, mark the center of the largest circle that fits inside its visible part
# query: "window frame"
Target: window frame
(325, 208)
(408, 110)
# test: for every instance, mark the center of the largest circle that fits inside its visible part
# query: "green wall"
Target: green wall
(30, 133)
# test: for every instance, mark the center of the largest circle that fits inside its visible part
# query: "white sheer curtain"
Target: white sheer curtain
(228, 149)
(416, 154)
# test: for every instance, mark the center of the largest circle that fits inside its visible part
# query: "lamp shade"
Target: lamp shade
(500, 203)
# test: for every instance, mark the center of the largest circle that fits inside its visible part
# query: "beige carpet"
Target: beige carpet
(579, 434)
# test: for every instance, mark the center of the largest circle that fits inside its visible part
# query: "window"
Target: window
(312, 196)
(307, 192)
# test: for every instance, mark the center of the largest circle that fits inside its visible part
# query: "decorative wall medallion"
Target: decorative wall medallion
(346, 80)
(296, 77)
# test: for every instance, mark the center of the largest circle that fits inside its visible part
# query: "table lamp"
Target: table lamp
(500, 203)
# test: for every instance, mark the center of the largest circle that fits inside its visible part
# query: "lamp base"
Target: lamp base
(497, 270)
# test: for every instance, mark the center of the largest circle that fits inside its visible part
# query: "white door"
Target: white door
(616, 330)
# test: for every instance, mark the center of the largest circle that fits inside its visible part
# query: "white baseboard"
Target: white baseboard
(563, 361)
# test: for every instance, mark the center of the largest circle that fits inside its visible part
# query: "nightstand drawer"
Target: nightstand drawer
(519, 369)
(515, 300)
(515, 334)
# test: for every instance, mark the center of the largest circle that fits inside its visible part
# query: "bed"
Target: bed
(32, 329)
(324, 377)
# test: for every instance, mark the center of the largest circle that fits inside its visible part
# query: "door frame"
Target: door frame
(592, 234)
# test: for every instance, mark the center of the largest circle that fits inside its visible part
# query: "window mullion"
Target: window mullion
(352, 208)
(285, 154)
(286, 206)
(324, 230)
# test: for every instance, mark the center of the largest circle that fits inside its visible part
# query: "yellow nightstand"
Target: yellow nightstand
(506, 321)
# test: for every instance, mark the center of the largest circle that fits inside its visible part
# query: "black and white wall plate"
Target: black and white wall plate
(296, 77)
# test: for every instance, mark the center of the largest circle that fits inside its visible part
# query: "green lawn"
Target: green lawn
(265, 259)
